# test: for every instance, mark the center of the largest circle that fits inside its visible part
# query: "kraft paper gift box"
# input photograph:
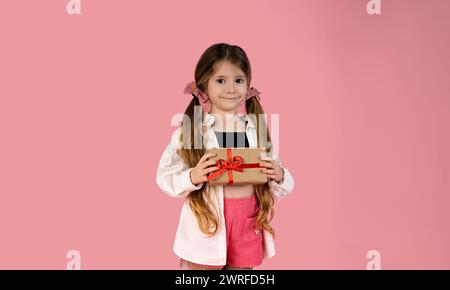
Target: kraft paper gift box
(237, 166)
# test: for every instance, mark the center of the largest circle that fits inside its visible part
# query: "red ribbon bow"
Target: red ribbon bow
(234, 163)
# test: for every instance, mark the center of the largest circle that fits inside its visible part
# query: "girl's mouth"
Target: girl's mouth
(236, 98)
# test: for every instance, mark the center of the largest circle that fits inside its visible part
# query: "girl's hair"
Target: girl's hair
(206, 218)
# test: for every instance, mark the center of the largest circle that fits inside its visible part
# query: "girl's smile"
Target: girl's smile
(231, 99)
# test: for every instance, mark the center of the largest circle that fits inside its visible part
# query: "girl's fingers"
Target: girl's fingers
(208, 163)
(272, 176)
(210, 169)
(269, 171)
(206, 156)
(267, 163)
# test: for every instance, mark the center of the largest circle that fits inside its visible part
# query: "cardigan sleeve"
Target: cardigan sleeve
(173, 175)
(286, 186)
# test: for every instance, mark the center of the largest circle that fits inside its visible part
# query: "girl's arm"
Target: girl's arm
(173, 176)
(286, 185)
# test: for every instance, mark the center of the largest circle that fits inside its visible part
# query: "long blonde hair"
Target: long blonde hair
(206, 218)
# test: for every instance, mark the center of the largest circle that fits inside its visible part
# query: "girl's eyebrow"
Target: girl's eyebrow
(239, 76)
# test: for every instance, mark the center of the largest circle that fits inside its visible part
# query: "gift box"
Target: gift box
(237, 166)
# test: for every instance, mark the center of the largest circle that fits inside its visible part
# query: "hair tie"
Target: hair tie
(203, 98)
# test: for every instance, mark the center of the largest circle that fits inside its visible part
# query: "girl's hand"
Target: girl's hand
(272, 169)
(200, 172)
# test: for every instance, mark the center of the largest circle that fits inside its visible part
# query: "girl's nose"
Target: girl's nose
(231, 89)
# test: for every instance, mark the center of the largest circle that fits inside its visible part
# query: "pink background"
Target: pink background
(85, 109)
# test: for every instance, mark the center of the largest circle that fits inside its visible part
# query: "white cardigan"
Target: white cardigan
(173, 178)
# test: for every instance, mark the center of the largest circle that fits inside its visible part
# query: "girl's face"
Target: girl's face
(227, 87)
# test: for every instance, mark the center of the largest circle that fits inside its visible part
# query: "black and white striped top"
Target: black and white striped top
(232, 139)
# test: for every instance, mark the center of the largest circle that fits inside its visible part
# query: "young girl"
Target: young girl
(224, 226)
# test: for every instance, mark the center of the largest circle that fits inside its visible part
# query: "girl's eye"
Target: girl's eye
(240, 81)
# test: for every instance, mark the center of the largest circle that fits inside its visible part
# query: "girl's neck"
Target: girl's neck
(233, 124)
(223, 114)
